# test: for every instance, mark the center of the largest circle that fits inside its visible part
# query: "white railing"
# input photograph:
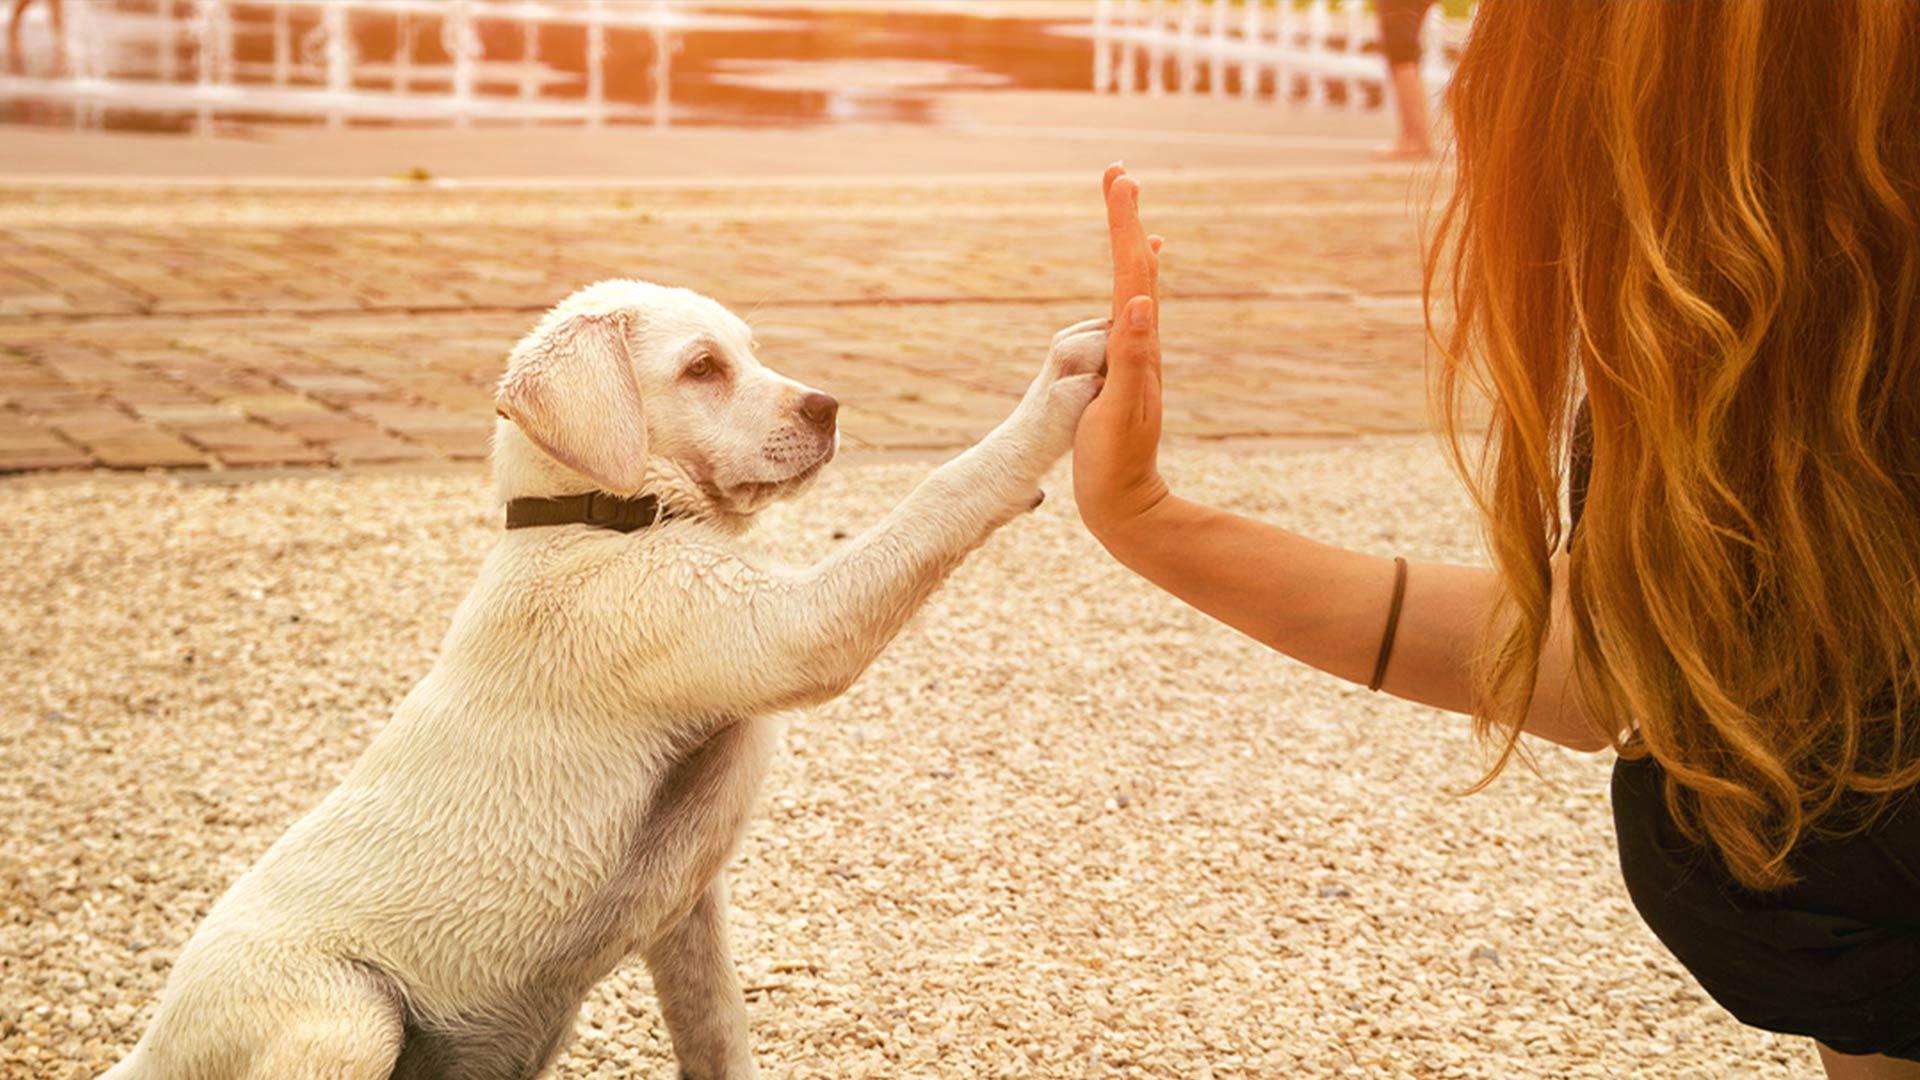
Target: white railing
(300, 58)
(1317, 52)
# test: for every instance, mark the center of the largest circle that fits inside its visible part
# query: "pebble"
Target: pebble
(904, 923)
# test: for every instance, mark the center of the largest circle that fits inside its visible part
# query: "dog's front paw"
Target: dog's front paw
(1040, 431)
(1080, 349)
(1071, 378)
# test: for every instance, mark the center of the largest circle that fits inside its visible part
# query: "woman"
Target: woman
(1684, 242)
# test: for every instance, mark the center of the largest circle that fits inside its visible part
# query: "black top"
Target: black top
(1835, 957)
(1579, 468)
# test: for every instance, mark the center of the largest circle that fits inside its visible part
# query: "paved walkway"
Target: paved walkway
(197, 327)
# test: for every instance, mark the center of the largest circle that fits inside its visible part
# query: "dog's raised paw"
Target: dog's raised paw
(1102, 324)
(1080, 350)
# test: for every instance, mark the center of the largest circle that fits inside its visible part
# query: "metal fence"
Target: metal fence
(464, 61)
(1316, 52)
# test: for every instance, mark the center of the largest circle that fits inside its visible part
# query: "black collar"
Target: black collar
(593, 508)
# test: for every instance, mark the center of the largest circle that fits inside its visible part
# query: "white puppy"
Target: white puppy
(565, 787)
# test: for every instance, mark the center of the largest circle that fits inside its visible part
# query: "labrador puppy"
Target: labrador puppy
(565, 787)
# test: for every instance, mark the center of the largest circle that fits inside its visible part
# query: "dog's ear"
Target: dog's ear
(569, 387)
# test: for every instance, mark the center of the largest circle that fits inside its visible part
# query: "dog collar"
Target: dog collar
(596, 508)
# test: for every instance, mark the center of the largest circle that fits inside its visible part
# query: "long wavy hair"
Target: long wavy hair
(1705, 218)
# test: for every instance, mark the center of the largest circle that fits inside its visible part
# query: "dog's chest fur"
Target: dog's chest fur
(675, 847)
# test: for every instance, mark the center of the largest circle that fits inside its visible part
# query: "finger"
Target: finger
(1143, 320)
(1132, 259)
(1156, 243)
(1133, 350)
(1114, 172)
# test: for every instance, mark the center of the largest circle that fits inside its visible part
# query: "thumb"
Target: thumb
(1133, 349)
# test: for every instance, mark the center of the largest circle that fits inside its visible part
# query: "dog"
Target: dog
(565, 787)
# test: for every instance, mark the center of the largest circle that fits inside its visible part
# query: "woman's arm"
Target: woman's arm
(1327, 607)
(1322, 605)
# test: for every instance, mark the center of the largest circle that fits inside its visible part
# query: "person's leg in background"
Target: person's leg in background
(13, 36)
(16, 63)
(1400, 22)
(59, 36)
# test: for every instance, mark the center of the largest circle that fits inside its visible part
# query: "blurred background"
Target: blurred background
(243, 234)
(192, 64)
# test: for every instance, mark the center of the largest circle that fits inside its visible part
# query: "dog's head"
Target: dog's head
(627, 386)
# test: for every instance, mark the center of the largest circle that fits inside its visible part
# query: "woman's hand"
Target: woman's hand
(1319, 604)
(1116, 479)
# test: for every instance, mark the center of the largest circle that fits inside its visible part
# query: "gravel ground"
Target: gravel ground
(1064, 827)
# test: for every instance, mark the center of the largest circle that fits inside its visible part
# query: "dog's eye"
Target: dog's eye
(703, 367)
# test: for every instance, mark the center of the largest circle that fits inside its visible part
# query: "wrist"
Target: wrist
(1122, 523)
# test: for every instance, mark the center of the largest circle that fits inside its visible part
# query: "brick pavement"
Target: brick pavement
(255, 327)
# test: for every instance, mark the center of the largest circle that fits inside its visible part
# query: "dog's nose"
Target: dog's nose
(819, 410)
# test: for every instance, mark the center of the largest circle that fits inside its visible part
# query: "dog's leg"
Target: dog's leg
(329, 1048)
(857, 600)
(700, 993)
(341, 1030)
(750, 640)
(279, 1014)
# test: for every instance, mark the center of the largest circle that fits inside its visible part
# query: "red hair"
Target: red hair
(1705, 217)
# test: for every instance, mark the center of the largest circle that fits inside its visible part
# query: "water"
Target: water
(743, 64)
(859, 66)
